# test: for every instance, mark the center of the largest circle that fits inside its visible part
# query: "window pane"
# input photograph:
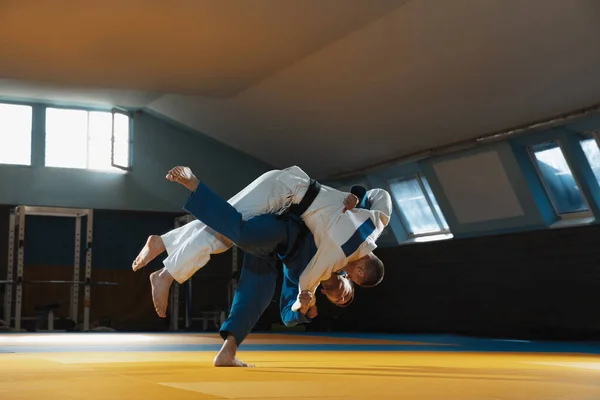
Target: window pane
(592, 152)
(414, 207)
(436, 206)
(15, 134)
(121, 127)
(558, 179)
(121, 157)
(121, 145)
(66, 138)
(99, 154)
(100, 139)
(100, 125)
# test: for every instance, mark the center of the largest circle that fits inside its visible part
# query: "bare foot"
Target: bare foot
(184, 176)
(227, 361)
(226, 356)
(161, 283)
(153, 247)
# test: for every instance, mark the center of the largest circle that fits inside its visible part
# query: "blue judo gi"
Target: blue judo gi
(266, 241)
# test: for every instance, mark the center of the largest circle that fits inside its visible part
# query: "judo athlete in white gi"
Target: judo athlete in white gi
(345, 239)
(267, 240)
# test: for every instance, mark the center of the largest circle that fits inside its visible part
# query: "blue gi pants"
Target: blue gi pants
(264, 239)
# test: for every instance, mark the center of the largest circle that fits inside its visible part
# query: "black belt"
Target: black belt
(294, 212)
(311, 194)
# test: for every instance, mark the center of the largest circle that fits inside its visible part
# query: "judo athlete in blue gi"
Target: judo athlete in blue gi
(267, 241)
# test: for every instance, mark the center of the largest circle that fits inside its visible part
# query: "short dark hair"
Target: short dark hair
(374, 271)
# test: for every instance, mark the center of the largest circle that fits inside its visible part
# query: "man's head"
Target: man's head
(339, 290)
(367, 271)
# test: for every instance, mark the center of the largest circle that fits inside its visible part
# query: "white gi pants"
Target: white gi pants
(189, 247)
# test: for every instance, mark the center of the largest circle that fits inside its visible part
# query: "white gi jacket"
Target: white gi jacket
(350, 235)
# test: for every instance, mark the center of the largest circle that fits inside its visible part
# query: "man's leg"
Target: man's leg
(254, 293)
(189, 247)
(259, 235)
(153, 248)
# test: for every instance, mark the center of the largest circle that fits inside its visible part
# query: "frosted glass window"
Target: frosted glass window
(419, 209)
(592, 153)
(558, 179)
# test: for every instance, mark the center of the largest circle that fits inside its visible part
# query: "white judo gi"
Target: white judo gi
(189, 247)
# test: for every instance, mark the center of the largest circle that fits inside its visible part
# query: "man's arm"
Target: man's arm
(380, 201)
(289, 293)
(326, 260)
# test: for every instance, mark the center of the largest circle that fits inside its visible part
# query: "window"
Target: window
(121, 141)
(418, 207)
(558, 180)
(592, 153)
(15, 134)
(87, 139)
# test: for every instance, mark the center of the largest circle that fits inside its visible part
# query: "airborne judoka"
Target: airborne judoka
(345, 240)
(265, 239)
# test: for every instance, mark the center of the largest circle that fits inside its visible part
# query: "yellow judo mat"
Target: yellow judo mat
(179, 366)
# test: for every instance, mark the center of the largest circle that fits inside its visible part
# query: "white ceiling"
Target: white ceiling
(331, 86)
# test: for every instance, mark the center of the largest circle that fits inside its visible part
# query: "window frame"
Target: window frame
(112, 144)
(563, 216)
(593, 134)
(111, 111)
(405, 224)
(596, 135)
(590, 135)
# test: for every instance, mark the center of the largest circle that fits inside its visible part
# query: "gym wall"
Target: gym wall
(541, 284)
(127, 208)
(118, 237)
(157, 147)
